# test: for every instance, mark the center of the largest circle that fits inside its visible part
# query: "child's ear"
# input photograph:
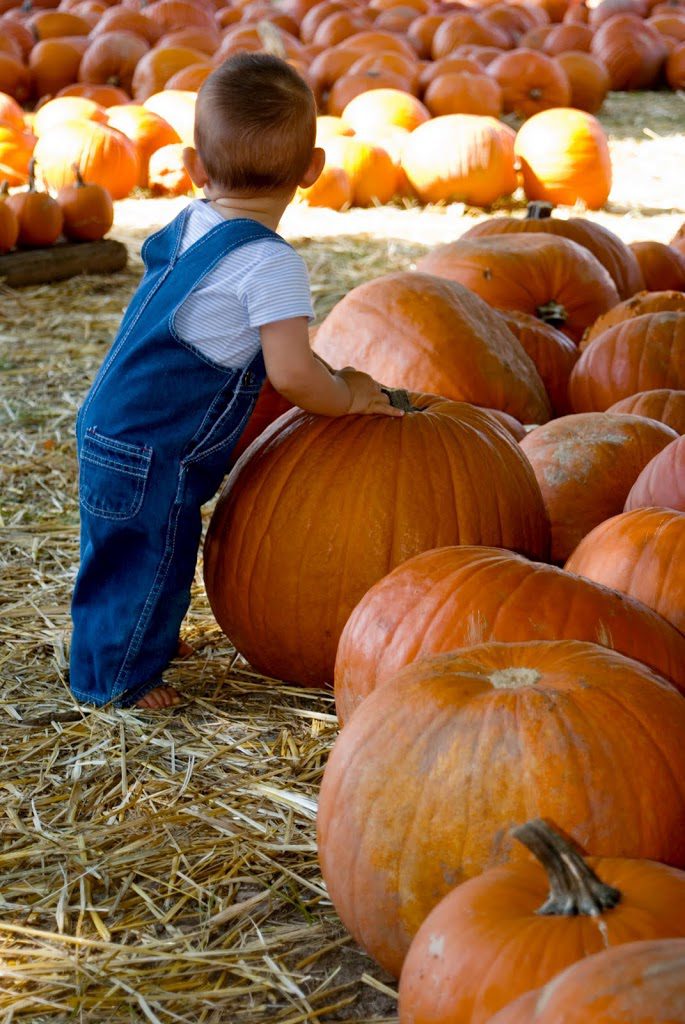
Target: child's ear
(194, 166)
(316, 165)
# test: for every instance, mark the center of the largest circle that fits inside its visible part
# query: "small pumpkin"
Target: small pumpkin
(430, 773)
(39, 215)
(640, 981)
(641, 553)
(87, 210)
(532, 920)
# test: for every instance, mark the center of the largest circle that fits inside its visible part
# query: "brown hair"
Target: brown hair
(255, 124)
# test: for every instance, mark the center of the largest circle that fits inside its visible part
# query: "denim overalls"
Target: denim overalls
(154, 437)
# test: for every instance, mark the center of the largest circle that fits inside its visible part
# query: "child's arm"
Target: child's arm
(306, 381)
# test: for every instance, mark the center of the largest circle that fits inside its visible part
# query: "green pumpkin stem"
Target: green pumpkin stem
(539, 210)
(399, 399)
(574, 888)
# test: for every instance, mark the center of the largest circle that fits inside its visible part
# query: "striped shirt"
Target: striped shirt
(259, 283)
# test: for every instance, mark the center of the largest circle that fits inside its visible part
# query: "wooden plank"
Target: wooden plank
(66, 259)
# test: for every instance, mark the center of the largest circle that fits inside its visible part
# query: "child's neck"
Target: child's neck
(265, 209)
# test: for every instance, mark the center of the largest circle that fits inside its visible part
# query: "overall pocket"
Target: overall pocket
(112, 475)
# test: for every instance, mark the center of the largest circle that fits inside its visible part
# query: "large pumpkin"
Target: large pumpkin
(638, 983)
(320, 509)
(104, 156)
(640, 304)
(662, 482)
(430, 774)
(550, 277)
(638, 354)
(585, 465)
(663, 404)
(514, 928)
(146, 130)
(632, 51)
(614, 255)
(564, 157)
(461, 158)
(553, 353)
(642, 554)
(663, 268)
(421, 332)
(456, 597)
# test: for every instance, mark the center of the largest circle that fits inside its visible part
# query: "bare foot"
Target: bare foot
(160, 697)
(184, 650)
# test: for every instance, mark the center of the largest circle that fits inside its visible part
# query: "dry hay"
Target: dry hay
(162, 867)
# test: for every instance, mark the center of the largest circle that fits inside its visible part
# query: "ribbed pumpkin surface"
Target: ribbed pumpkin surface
(638, 305)
(553, 353)
(320, 509)
(662, 482)
(663, 404)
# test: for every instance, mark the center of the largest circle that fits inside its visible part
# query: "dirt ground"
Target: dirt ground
(163, 867)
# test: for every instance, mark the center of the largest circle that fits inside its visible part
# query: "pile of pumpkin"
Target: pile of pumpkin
(502, 610)
(444, 73)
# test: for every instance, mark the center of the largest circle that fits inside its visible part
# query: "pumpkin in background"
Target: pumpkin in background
(614, 255)
(544, 275)
(54, 63)
(445, 473)
(678, 240)
(461, 158)
(462, 92)
(663, 404)
(568, 38)
(641, 303)
(9, 225)
(39, 216)
(11, 114)
(166, 172)
(331, 189)
(564, 156)
(638, 354)
(16, 150)
(585, 465)
(105, 156)
(663, 268)
(87, 210)
(373, 111)
(127, 19)
(417, 331)
(66, 108)
(637, 982)
(532, 920)
(104, 95)
(553, 353)
(675, 67)
(456, 597)
(662, 482)
(430, 773)
(190, 78)
(177, 108)
(146, 130)
(15, 78)
(112, 58)
(369, 168)
(465, 28)
(530, 82)
(588, 78)
(155, 68)
(632, 51)
(640, 553)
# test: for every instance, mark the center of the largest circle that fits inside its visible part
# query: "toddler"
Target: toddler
(224, 302)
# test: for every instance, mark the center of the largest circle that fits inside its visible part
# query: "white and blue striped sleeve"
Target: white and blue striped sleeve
(276, 288)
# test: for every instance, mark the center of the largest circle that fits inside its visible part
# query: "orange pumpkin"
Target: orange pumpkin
(494, 734)
(459, 92)
(66, 108)
(11, 114)
(177, 108)
(126, 19)
(54, 63)
(156, 67)
(663, 404)
(111, 59)
(104, 95)
(374, 111)
(105, 156)
(641, 554)
(434, 68)
(530, 82)
(190, 78)
(639, 354)
(9, 225)
(640, 981)
(332, 189)
(639, 304)
(39, 216)
(16, 149)
(290, 628)
(146, 130)
(563, 38)
(348, 86)
(87, 210)
(456, 597)
(370, 169)
(675, 67)
(573, 459)
(465, 28)
(533, 920)
(663, 268)
(662, 482)
(547, 276)
(553, 353)
(588, 78)
(461, 158)
(15, 78)
(166, 174)
(632, 51)
(418, 331)
(56, 24)
(564, 156)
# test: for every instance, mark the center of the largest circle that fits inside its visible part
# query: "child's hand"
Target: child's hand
(367, 396)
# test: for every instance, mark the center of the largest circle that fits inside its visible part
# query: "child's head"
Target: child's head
(255, 125)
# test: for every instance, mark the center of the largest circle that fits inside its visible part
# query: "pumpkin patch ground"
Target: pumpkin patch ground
(163, 867)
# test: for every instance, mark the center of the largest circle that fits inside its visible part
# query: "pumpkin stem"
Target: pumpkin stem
(399, 399)
(552, 313)
(539, 210)
(32, 175)
(79, 177)
(5, 188)
(574, 888)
